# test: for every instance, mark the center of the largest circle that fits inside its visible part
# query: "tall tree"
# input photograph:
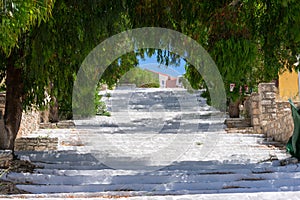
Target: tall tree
(45, 55)
(17, 20)
(249, 40)
(59, 48)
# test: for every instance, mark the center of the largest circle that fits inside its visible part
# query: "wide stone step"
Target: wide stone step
(162, 99)
(106, 179)
(171, 188)
(145, 108)
(158, 95)
(242, 169)
(63, 175)
(123, 163)
(155, 120)
(71, 159)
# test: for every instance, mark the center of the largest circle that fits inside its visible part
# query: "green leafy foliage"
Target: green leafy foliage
(58, 48)
(100, 106)
(140, 77)
(249, 41)
(18, 17)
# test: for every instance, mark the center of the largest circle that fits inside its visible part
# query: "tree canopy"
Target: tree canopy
(18, 17)
(250, 40)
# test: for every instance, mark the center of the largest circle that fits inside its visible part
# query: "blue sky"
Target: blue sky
(171, 71)
(150, 62)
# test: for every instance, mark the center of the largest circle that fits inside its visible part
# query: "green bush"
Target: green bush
(100, 106)
(140, 77)
(150, 85)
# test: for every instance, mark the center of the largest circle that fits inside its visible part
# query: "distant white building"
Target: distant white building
(166, 81)
(168, 77)
(162, 80)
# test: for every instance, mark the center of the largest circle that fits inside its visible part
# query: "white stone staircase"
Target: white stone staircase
(68, 172)
(210, 161)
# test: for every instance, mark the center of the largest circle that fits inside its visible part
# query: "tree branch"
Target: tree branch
(234, 2)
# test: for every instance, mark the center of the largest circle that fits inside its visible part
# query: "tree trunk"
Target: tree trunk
(13, 107)
(54, 116)
(234, 111)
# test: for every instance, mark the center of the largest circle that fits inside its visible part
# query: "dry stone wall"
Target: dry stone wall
(269, 116)
(29, 123)
(255, 112)
(281, 129)
(267, 105)
(30, 119)
(36, 144)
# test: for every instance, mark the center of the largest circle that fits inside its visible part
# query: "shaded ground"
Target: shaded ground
(7, 187)
(10, 188)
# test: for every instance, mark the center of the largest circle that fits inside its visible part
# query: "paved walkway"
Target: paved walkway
(176, 152)
(232, 196)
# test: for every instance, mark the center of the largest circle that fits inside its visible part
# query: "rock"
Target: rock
(288, 161)
(65, 124)
(5, 158)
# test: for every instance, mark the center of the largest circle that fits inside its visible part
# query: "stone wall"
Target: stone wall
(61, 124)
(29, 123)
(280, 129)
(30, 119)
(267, 97)
(270, 116)
(254, 112)
(36, 144)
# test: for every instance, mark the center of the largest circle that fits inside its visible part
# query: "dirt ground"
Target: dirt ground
(10, 188)
(15, 166)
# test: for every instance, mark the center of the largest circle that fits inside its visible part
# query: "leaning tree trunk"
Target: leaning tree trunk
(13, 107)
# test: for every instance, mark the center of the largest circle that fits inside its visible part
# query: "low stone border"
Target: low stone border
(237, 122)
(36, 144)
(244, 130)
(61, 124)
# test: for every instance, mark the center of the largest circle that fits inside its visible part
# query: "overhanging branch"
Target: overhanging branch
(234, 2)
